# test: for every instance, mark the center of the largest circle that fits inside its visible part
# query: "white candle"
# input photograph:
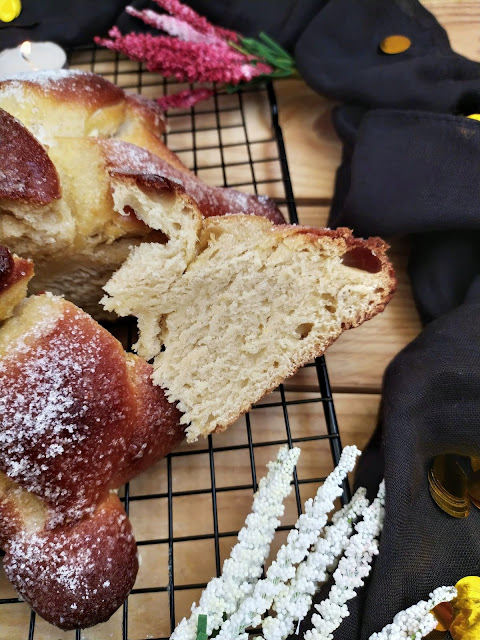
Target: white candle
(39, 55)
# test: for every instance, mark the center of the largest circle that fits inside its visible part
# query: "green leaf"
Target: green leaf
(202, 627)
(274, 45)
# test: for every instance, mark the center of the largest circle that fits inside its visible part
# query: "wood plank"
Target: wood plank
(313, 148)
(461, 19)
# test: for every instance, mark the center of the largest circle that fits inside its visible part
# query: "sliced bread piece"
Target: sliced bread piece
(256, 303)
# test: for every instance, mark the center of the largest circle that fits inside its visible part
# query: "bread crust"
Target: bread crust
(212, 201)
(27, 173)
(67, 85)
(15, 274)
(78, 575)
(75, 392)
(78, 418)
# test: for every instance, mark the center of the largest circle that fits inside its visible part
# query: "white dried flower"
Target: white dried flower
(244, 567)
(351, 572)
(416, 622)
(300, 539)
(294, 601)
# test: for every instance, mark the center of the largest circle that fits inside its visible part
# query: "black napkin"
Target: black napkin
(70, 23)
(410, 166)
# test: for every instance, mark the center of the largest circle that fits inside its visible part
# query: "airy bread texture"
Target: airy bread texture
(254, 304)
(79, 417)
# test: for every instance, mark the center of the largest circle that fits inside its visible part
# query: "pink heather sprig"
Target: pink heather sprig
(185, 61)
(175, 27)
(198, 22)
(197, 51)
(184, 99)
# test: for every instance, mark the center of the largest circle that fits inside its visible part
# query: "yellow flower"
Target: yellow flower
(9, 10)
(466, 610)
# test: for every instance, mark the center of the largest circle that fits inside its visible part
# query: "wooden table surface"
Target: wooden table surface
(356, 364)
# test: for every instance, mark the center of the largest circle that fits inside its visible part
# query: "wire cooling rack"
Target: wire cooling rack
(186, 511)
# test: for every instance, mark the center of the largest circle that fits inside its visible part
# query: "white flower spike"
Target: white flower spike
(294, 601)
(300, 539)
(223, 595)
(351, 572)
(416, 622)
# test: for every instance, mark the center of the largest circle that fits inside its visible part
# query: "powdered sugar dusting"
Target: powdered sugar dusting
(77, 575)
(43, 77)
(62, 419)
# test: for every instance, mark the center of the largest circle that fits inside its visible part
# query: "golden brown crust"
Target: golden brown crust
(82, 87)
(76, 397)
(123, 157)
(158, 429)
(78, 418)
(147, 112)
(149, 181)
(15, 273)
(78, 575)
(27, 173)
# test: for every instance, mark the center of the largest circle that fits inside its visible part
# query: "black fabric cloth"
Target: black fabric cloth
(70, 23)
(422, 172)
(410, 165)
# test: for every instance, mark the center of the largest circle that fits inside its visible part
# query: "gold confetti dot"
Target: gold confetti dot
(9, 10)
(466, 610)
(395, 44)
(474, 116)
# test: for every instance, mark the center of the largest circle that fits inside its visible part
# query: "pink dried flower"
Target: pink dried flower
(179, 10)
(174, 26)
(185, 61)
(184, 99)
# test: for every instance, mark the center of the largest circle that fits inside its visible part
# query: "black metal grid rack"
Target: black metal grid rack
(214, 136)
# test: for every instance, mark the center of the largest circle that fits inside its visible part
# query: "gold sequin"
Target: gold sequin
(466, 610)
(448, 486)
(9, 10)
(395, 44)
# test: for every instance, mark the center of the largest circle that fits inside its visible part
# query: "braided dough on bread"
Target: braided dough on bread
(254, 304)
(79, 417)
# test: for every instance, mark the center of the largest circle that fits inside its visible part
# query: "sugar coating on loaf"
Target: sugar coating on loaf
(78, 418)
(71, 415)
(79, 575)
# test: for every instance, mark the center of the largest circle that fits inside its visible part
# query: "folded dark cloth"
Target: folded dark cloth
(70, 23)
(410, 172)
